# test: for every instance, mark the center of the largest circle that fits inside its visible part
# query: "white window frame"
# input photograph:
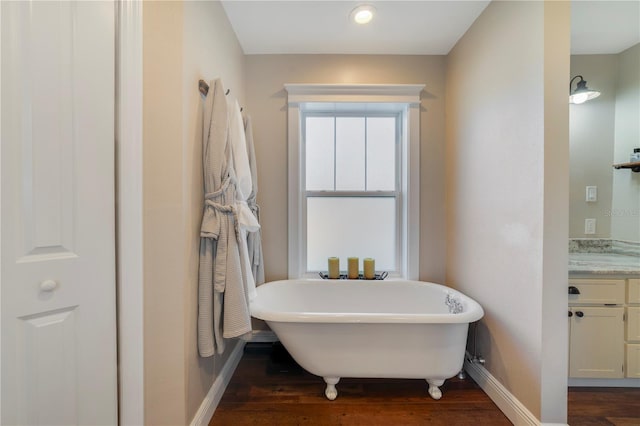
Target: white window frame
(404, 98)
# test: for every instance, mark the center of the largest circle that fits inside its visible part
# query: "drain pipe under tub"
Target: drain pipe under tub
(475, 359)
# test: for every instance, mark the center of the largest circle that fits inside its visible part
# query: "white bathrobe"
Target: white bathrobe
(223, 309)
(247, 222)
(254, 239)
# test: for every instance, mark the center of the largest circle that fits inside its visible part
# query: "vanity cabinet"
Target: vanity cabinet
(602, 343)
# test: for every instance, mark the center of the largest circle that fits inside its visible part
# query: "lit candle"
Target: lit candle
(353, 271)
(369, 268)
(334, 268)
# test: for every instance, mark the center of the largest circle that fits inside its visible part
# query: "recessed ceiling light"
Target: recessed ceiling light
(363, 14)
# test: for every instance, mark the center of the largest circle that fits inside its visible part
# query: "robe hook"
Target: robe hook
(203, 87)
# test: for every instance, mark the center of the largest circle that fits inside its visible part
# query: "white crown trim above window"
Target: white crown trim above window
(389, 93)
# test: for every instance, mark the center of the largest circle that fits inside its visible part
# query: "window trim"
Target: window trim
(405, 97)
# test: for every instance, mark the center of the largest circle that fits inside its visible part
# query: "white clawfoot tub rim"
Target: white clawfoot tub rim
(473, 311)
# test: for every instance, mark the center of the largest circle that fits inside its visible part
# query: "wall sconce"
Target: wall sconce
(581, 93)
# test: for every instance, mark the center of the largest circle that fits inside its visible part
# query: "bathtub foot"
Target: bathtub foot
(434, 390)
(331, 392)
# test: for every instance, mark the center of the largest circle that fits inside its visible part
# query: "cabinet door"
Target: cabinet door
(633, 361)
(633, 324)
(597, 342)
(633, 294)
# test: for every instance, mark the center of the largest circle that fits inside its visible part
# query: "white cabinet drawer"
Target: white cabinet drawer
(633, 293)
(633, 324)
(597, 292)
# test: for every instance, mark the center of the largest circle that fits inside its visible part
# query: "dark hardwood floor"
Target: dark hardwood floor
(604, 406)
(269, 389)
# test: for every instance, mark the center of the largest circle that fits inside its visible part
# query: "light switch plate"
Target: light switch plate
(592, 194)
(589, 226)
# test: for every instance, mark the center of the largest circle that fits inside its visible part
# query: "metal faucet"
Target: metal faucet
(454, 304)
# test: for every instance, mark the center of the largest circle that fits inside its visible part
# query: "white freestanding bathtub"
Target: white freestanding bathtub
(376, 329)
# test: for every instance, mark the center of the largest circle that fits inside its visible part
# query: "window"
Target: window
(353, 177)
(351, 196)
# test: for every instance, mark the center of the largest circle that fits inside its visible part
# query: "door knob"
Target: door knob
(580, 314)
(573, 290)
(570, 314)
(48, 285)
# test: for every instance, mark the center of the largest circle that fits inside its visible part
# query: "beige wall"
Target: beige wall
(267, 102)
(591, 140)
(507, 189)
(182, 42)
(626, 185)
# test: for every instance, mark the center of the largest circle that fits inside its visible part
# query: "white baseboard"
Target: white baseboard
(210, 403)
(517, 413)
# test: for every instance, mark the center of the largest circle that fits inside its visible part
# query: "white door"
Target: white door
(58, 346)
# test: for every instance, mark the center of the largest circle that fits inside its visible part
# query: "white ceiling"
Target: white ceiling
(604, 26)
(399, 27)
(417, 27)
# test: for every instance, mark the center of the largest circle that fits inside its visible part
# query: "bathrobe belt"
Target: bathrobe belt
(253, 206)
(218, 222)
(244, 215)
(216, 225)
(211, 219)
(257, 247)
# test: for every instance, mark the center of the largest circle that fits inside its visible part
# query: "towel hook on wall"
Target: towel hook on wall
(203, 87)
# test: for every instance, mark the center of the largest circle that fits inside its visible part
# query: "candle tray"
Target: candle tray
(380, 276)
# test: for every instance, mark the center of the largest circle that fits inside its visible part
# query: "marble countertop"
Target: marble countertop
(604, 263)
